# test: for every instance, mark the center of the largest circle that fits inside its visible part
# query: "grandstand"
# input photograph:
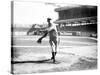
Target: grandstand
(78, 21)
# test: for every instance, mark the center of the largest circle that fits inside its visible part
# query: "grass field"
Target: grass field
(74, 53)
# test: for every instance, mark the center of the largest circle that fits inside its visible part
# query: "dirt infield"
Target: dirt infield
(80, 55)
(65, 62)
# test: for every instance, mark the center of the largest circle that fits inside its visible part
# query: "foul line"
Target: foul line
(76, 42)
(41, 46)
(60, 37)
(48, 46)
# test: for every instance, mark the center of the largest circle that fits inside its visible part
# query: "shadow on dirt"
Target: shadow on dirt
(38, 61)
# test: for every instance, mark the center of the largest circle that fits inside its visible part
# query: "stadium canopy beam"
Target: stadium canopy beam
(75, 20)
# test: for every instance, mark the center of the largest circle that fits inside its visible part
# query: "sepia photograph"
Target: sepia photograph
(53, 37)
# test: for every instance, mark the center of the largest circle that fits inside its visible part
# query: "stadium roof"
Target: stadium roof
(71, 7)
(75, 20)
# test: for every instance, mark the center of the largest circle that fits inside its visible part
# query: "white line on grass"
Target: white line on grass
(46, 46)
(40, 46)
(60, 37)
(76, 42)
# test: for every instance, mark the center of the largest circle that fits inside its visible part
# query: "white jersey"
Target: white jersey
(52, 27)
